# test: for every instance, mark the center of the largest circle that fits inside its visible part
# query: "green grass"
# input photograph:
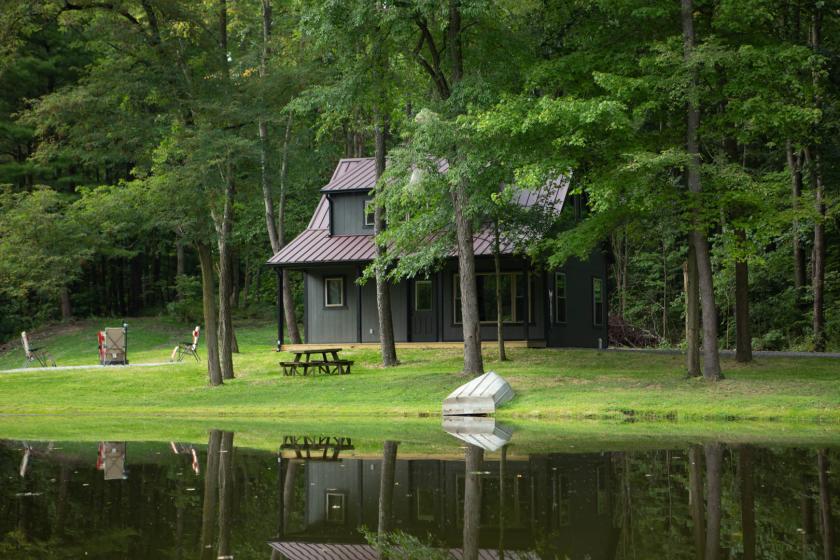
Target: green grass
(550, 384)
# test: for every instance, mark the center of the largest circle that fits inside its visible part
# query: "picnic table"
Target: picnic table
(329, 364)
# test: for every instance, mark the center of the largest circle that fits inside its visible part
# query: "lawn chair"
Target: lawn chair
(39, 354)
(187, 348)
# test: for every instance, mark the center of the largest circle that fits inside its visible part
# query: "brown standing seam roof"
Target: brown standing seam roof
(315, 245)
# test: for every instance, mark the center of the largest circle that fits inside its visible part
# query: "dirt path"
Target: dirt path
(92, 366)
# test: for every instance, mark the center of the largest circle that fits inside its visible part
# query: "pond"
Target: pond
(479, 498)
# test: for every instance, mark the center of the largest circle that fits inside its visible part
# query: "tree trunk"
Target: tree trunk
(500, 325)
(383, 291)
(211, 495)
(826, 521)
(223, 231)
(180, 265)
(696, 502)
(743, 332)
(692, 313)
(66, 306)
(386, 487)
(453, 32)
(225, 495)
(502, 505)
(714, 466)
(292, 468)
(806, 509)
(711, 357)
(208, 297)
(473, 363)
(288, 300)
(472, 501)
(795, 166)
(812, 156)
(745, 481)
(270, 222)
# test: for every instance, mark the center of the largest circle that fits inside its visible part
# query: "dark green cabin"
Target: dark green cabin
(562, 307)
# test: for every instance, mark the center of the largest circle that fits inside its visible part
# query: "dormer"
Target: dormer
(349, 198)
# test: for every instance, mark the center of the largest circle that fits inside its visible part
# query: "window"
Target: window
(334, 292)
(559, 297)
(369, 213)
(561, 506)
(422, 295)
(425, 504)
(335, 508)
(597, 302)
(516, 296)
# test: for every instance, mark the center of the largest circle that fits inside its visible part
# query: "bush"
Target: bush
(187, 307)
(772, 340)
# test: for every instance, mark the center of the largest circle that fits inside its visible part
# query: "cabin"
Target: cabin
(563, 307)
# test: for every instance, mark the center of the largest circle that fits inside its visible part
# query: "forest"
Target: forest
(155, 153)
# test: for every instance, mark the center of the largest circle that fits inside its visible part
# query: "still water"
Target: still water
(485, 499)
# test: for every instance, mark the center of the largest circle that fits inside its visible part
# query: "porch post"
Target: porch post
(280, 310)
(547, 307)
(439, 318)
(358, 305)
(529, 307)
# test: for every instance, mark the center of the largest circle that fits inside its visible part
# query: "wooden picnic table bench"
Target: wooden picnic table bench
(329, 364)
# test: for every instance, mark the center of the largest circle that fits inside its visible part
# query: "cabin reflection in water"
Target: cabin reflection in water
(552, 503)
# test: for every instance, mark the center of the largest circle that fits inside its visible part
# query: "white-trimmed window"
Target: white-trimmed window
(559, 297)
(597, 301)
(516, 297)
(423, 295)
(334, 291)
(335, 508)
(370, 216)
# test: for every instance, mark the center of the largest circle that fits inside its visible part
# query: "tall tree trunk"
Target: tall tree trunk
(743, 332)
(270, 222)
(812, 156)
(386, 488)
(711, 357)
(696, 501)
(292, 468)
(472, 501)
(208, 297)
(794, 162)
(211, 495)
(806, 508)
(692, 313)
(288, 300)
(826, 521)
(473, 362)
(180, 265)
(714, 468)
(383, 290)
(66, 306)
(225, 495)
(745, 481)
(500, 324)
(224, 226)
(502, 504)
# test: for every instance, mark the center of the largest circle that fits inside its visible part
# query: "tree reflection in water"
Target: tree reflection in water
(707, 501)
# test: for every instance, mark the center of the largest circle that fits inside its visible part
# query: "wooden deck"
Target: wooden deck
(418, 345)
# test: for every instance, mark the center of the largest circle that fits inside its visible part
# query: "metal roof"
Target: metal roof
(337, 551)
(352, 174)
(315, 245)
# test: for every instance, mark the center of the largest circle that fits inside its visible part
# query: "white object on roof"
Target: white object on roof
(482, 395)
(481, 431)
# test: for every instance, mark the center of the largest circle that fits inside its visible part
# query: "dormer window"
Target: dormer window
(370, 217)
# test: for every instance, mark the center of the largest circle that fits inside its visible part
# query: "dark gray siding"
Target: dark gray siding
(579, 330)
(326, 325)
(348, 216)
(330, 324)
(454, 332)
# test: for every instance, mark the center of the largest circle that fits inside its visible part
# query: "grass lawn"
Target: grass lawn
(551, 384)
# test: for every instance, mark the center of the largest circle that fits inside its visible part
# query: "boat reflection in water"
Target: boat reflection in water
(483, 497)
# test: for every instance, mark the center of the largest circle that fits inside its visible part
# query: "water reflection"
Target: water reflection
(177, 500)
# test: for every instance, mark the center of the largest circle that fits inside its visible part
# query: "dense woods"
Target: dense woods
(155, 153)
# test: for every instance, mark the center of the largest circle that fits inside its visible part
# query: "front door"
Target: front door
(423, 306)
